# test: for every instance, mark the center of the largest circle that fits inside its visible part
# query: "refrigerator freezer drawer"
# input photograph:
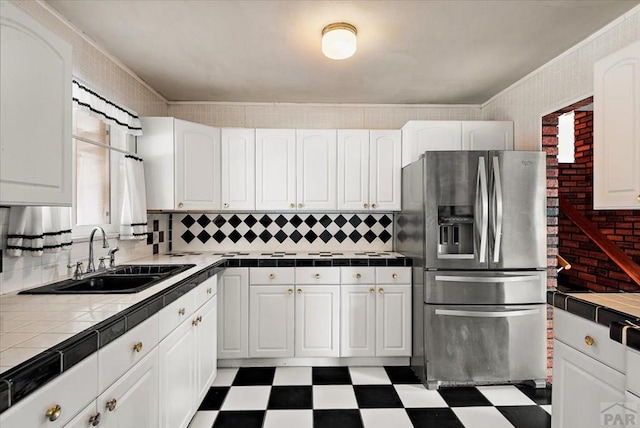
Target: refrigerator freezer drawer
(480, 344)
(485, 288)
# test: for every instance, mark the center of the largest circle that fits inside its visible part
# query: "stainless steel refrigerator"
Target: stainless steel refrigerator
(474, 223)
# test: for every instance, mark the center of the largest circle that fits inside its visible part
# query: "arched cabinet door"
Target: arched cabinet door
(35, 112)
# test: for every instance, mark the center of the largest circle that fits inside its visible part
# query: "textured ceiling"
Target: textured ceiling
(426, 52)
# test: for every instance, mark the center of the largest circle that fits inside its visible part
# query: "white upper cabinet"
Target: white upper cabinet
(35, 112)
(487, 135)
(616, 130)
(419, 136)
(182, 164)
(385, 170)
(369, 169)
(316, 156)
(353, 169)
(238, 169)
(275, 169)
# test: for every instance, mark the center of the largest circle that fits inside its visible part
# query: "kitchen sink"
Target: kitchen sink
(123, 279)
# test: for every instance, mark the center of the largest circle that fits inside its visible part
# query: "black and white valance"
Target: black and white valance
(34, 231)
(102, 108)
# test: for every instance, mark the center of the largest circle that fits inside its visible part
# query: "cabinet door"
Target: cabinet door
(35, 112)
(581, 385)
(275, 169)
(316, 157)
(487, 135)
(177, 377)
(271, 321)
(420, 136)
(238, 168)
(197, 166)
(616, 130)
(353, 169)
(393, 320)
(233, 313)
(317, 321)
(358, 321)
(385, 170)
(133, 400)
(206, 348)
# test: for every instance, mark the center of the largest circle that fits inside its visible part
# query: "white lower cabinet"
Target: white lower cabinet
(581, 385)
(133, 400)
(358, 321)
(271, 321)
(206, 348)
(393, 321)
(233, 313)
(317, 321)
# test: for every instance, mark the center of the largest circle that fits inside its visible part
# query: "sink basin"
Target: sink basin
(121, 280)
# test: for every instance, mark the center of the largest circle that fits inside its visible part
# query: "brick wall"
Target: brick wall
(591, 268)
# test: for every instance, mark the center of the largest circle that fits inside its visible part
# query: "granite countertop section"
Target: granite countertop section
(619, 311)
(43, 335)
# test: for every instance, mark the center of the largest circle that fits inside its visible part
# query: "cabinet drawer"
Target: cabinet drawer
(206, 290)
(633, 371)
(393, 275)
(358, 275)
(171, 316)
(318, 275)
(126, 351)
(73, 390)
(576, 332)
(268, 276)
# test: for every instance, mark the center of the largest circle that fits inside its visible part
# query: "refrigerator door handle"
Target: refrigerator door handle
(491, 279)
(482, 208)
(497, 200)
(487, 314)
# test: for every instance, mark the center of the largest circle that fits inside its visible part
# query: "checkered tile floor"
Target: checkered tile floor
(362, 397)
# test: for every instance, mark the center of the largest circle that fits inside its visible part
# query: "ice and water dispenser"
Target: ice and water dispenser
(455, 232)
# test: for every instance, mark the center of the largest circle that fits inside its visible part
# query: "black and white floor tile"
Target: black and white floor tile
(362, 397)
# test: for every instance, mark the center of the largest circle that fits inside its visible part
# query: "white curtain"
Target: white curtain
(133, 221)
(102, 108)
(37, 230)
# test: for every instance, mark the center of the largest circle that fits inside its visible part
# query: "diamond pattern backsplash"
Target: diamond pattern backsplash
(300, 232)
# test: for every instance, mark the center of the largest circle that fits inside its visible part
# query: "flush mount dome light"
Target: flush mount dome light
(339, 40)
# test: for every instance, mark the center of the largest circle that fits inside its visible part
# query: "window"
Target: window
(98, 170)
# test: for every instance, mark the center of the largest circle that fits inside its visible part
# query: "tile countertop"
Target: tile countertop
(43, 335)
(619, 311)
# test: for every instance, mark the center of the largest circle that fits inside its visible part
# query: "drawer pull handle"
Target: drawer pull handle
(366, 206)
(209, 290)
(180, 205)
(272, 276)
(94, 420)
(299, 291)
(53, 412)
(374, 205)
(137, 347)
(182, 311)
(111, 404)
(226, 205)
(317, 276)
(381, 290)
(199, 318)
(289, 291)
(589, 340)
(358, 276)
(300, 205)
(195, 322)
(292, 205)
(394, 276)
(371, 290)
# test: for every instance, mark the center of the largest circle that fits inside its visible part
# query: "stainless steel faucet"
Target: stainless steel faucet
(91, 267)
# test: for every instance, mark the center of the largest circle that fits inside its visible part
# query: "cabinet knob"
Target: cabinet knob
(292, 205)
(638, 198)
(195, 322)
(381, 290)
(300, 205)
(199, 318)
(299, 291)
(366, 205)
(289, 291)
(209, 290)
(53, 412)
(111, 404)
(182, 311)
(226, 205)
(272, 276)
(180, 205)
(137, 347)
(589, 340)
(374, 205)
(94, 420)
(358, 276)
(371, 290)
(317, 276)
(394, 276)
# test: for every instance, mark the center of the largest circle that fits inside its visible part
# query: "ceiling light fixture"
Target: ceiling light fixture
(339, 40)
